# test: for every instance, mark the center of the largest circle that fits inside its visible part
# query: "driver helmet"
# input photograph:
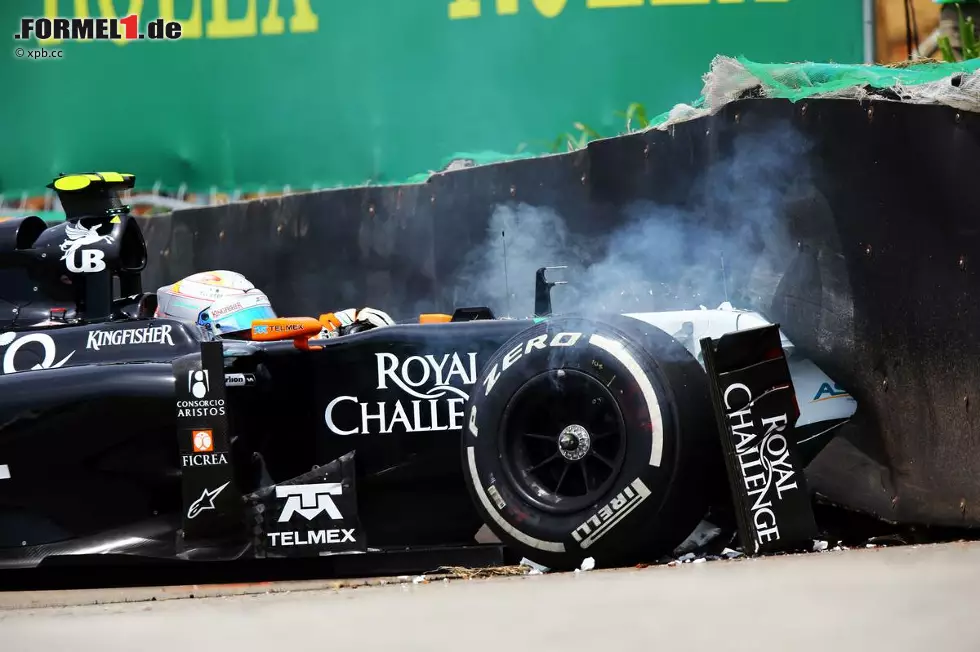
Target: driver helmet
(221, 303)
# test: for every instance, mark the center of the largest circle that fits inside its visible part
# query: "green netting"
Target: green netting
(953, 84)
(807, 79)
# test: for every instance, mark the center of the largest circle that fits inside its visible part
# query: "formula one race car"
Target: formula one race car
(568, 436)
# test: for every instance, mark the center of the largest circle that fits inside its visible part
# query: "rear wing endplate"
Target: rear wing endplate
(756, 410)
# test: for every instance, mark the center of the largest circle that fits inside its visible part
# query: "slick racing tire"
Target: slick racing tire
(587, 438)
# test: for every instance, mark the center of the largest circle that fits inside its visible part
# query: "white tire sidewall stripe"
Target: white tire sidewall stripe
(547, 546)
(616, 349)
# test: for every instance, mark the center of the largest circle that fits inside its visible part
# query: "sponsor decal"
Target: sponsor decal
(198, 291)
(600, 523)
(203, 441)
(239, 380)
(199, 386)
(199, 383)
(148, 335)
(77, 259)
(205, 502)
(261, 330)
(203, 459)
(14, 344)
(202, 450)
(212, 500)
(522, 349)
(756, 409)
(827, 392)
(279, 328)
(763, 459)
(312, 537)
(309, 500)
(241, 303)
(319, 495)
(221, 312)
(311, 514)
(440, 407)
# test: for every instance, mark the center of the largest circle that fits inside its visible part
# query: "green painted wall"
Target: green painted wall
(350, 91)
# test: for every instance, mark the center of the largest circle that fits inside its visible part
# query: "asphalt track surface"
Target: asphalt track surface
(905, 598)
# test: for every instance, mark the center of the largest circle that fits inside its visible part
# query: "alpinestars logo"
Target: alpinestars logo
(206, 501)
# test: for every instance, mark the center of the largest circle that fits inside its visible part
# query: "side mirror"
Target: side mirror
(542, 291)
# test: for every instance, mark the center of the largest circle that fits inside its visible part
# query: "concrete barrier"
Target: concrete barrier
(850, 224)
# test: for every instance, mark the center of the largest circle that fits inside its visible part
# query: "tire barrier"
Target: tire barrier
(845, 222)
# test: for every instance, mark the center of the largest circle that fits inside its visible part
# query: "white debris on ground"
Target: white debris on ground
(702, 556)
(694, 550)
(536, 569)
(820, 545)
(696, 545)
(587, 564)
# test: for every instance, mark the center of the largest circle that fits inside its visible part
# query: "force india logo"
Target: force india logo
(438, 408)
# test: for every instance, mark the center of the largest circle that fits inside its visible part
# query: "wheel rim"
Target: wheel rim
(564, 440)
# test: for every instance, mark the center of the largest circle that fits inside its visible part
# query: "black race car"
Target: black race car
(568, 436)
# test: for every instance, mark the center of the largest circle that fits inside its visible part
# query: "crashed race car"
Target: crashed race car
(130, 428)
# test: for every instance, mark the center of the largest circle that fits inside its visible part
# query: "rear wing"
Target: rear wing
(756, 410)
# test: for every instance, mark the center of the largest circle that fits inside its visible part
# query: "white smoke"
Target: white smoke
(728, 242)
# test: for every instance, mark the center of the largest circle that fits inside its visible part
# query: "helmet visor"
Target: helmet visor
(236, 313)
(242, 320)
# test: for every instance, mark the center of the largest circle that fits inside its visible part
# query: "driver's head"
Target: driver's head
(221, 302)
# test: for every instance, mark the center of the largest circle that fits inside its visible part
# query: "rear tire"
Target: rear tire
(588, 438)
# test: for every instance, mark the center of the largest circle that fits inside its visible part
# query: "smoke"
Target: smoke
(727, 242)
